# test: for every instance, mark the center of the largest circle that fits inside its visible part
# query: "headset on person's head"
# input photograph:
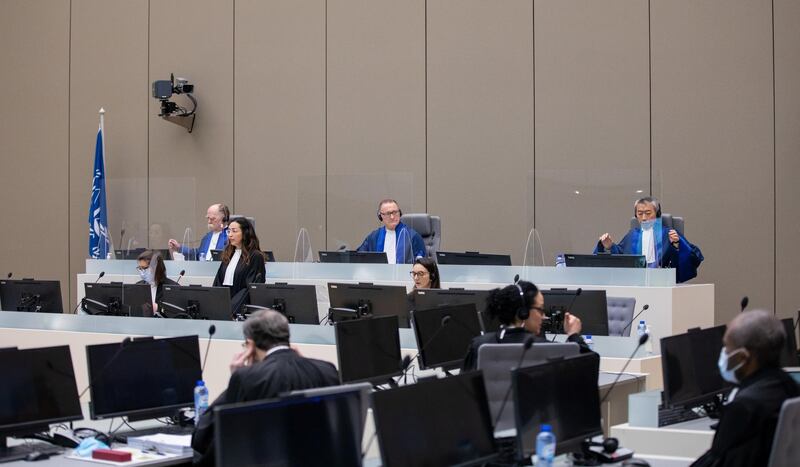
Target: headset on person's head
(386, 201)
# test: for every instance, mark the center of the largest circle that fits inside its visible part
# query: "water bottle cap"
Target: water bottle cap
(546, 427)
(641, 322)
(587, 336)
(200, 382)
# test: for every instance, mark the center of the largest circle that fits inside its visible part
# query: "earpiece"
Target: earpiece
(522, 311)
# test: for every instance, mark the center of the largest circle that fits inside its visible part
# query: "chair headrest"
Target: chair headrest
(421, 222)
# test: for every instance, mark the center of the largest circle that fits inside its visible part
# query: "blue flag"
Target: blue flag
(99, 244)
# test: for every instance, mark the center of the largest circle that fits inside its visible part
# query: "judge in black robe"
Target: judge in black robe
(520, 309)
(266, 368)
(243, 254)
(753, 343)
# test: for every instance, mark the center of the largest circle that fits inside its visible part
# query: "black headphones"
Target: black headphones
(609, 445)
(386, 201)
(522, 311)
(648, 199)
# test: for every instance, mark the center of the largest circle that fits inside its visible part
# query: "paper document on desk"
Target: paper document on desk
(137, 457)
(171, 444)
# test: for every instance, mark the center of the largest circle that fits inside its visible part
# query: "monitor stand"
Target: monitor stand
(21, 451)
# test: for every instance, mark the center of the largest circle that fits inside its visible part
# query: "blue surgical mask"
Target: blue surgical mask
(647, 225)
(146, 275)
(727, 374)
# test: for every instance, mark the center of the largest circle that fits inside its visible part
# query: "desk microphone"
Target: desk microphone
(516, 278)
(211, 330)
(644, 338)
(180, 276)
(9, 275)
(645, 307)
(408, 360)
(122, 345)
(83, 300)
(526, 346)
(744, 302)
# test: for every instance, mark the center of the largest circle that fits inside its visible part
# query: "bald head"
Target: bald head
(267, 328)
(761, 333)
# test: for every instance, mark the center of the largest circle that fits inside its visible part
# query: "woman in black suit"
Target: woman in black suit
(153, 271)
(242, 263)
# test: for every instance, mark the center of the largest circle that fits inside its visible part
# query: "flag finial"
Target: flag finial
(102, 111)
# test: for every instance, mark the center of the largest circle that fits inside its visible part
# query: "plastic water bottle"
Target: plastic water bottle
(545, 447)
(588, 339)
(200, 400)
(648, 346)
(641, 329)
(560, 261)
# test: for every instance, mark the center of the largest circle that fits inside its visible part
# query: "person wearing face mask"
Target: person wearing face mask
(401, 243)
(750, 359)
(152, 271)
(217, 217)
(242, 263)
(520, 310)
(660, 247)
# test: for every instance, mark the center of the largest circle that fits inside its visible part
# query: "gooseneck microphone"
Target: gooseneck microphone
(526, 346)
(211, 330)
(744, 302)
(645, 307)
(408, 360)
(644, 338)
(180, 276)
(122, 346)
(9, 275)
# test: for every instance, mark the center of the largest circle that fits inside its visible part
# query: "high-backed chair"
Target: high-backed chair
(428, 227)
(785, 448)
(251, 219)
(620, 314)
(668, 221)
(497, 361)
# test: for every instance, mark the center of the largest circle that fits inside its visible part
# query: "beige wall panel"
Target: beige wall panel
(787, 156)
(480, 123)
(109, 70)
(592, 119)
(712, 138)
(375, 112)
(190, 171)
(280, 120)
(34, 130)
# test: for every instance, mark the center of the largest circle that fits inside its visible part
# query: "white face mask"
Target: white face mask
(727, 374)
(647, 225)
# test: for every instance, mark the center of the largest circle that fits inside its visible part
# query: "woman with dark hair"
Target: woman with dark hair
(242, 262)
(520, 310)
(425, 274)
(152, 271)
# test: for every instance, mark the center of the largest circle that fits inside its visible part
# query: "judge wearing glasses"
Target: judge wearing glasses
(401, 243)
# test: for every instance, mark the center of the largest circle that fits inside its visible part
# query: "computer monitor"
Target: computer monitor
(143, 378)
(117, 299)
(444, 333)
(789, 354)
(31, 295)
(604, 260)
(368, 349)
(38, 389)
(134, 253)
(472, 258)
(195, 302)
(425, 299)
(320, 430)
(689, 367)
(297, 302)
(590, 306)
(269, 256)
(361, 390)
(367, 257)
(435, 422)
(561, 393)
(366, 299)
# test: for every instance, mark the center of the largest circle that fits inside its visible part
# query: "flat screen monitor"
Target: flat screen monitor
(361, 390)
(425, 299)
(590, 306)
(195, 302)
(604, 260)
(118, 299)
(562, 393)
(472, 258)
(320, 430)
(435, 422)
(38, 389)
(297, 302)
(689, 367)
(444, 333)
(789, 354)
(31, 295)
(365, 257)
(134, 253)
(143, 378)
(368, 349)
(269, 256)
(366, 299)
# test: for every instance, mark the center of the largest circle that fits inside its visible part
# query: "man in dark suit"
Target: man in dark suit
(265, 368)
(751, 361)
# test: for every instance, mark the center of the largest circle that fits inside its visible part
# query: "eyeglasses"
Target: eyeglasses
(538, 308)
(230, 231)
(139, 268)
(416, 274)
(390, 213)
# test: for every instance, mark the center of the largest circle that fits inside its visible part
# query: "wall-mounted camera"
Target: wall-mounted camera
(163, 90)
